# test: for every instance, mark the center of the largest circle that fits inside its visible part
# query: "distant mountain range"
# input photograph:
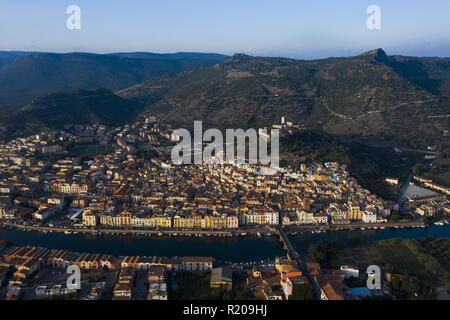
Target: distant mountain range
(371, 96)
(28, 75)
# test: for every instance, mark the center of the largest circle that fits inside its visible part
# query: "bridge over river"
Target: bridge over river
(292, 254)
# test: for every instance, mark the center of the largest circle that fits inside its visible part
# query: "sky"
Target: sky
(288, 28)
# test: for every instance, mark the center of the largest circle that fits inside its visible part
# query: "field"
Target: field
(439, 249)
(427, 258)
(441, 172)
(187, 286)
(442, 178)
(381, 253)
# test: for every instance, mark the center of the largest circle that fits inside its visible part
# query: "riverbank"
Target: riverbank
(130, 231)
(261, 230)
(238, 248)
(424, 258)
(301, 240)
(249, 248)
(354, 226)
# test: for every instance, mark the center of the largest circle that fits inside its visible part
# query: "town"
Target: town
(98, 179)
(39, 273)
(134, 186)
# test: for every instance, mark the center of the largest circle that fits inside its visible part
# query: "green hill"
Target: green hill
(24, 76)
(77, 107)
(372, 96)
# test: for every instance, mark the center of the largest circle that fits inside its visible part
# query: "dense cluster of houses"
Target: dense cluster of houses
(433, 204)
(276, 281)
(27, 261)
(122, 188)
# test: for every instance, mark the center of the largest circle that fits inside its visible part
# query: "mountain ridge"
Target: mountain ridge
(368, 95)
(371, 96)
(24, 76)
(76, 107)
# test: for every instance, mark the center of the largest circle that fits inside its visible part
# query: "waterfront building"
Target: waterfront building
(369, 217)
(196, 263)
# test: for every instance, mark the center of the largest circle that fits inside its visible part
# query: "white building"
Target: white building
(393, 181)
(350, 271)
(271, 217)
(305, 217)
(42, 214)
(369, 217)
(138, 222)
(58, 201)
(320, 218)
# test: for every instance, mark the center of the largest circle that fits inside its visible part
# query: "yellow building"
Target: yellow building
(125, 218)
(111, 220)
(252, 217)
(217, 222)
(356, 213)
(198, 221)
(183, 222)
(208, 222)
(162, 221)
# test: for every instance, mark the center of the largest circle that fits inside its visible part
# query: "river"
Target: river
(302, 241)
(242, 248)
(237, 248)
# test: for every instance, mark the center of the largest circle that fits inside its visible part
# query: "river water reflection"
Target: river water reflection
(238, 248)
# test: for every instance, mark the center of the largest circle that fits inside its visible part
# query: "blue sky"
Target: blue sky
(289, 28)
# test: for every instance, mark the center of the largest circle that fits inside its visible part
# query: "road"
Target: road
(141, 284)
(402, 190)
(294, 228)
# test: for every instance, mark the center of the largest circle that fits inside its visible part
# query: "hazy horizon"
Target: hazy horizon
(229, 55)
(287, 28)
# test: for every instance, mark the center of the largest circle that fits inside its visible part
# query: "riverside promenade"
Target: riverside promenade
(251, 230)
(124, 231)
(352, 226)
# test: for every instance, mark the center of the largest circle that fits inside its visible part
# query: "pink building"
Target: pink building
(232, 222)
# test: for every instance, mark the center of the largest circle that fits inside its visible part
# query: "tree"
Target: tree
(325, 252)
(301, 292)
(416, 169)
